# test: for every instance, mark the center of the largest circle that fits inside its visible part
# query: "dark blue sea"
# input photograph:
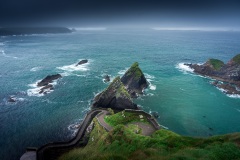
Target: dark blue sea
(187, 104)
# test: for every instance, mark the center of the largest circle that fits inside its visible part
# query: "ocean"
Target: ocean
(186, 103)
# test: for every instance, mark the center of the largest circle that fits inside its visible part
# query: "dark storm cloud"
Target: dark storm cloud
(17, 11)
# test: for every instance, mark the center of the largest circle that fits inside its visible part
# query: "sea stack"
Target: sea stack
(134, 80)
(115, 96)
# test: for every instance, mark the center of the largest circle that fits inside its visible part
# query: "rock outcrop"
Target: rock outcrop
(48, 79)
(216, 69)
(115, 96)
(47, 87)
(228, 73)
(134, 80)
(82, 62)
(106, 78)
(45, 84)
(12, 99)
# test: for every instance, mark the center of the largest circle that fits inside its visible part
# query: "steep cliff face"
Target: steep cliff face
(115, 96)
(134, 80)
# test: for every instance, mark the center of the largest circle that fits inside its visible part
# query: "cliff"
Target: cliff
(134, 80)
(115, 96)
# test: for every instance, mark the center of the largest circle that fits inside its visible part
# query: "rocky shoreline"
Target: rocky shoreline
(227, 76)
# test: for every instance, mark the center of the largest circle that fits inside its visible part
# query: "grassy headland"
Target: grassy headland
(124, 143)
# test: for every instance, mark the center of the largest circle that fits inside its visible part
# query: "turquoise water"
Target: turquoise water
(187, 104)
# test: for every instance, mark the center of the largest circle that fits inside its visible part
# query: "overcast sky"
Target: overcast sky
(104, 13)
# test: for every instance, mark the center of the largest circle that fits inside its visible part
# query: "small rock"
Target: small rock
(106, 78)
(11, 99)
(82, 62)
(48, 79)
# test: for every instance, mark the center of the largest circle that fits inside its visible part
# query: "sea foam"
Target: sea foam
(150, 79)
(34, 91)
(5, 55)
(184, 68)
(34, 69)
(69, 69)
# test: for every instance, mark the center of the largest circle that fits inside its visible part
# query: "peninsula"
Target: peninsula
(8, 31)
(227, 76)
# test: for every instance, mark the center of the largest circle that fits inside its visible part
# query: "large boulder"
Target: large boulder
(48, 79)
(134, 80)
(115, 96)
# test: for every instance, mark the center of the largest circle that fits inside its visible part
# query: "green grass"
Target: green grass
(124, 143)
(236, 59)
(217, 64)
(134, 70)
(124, 118)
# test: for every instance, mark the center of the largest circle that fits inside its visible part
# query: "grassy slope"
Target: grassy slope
(237, 59)
(134, 69)
(217, 64)
(124, 143)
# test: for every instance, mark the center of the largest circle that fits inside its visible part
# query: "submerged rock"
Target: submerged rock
(48, 79)
(115, 96)
(82, 62)
(134, 80)
(155, 114)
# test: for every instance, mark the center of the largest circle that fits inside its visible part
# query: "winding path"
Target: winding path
(101, 121)
(52, 151)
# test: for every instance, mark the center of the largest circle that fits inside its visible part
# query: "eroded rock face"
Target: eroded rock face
(229, 72)
(134, 80)
(82, 62)
(48, 79)
(228, 88)
(115, 97)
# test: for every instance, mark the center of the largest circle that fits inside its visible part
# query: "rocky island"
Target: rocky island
(115, 96)
(82, 62)
(227, 76)
(46, 85)
(119, 94)
(134, 80)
